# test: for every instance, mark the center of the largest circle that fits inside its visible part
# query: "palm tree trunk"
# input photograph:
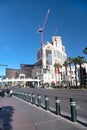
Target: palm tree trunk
(70, 76)
(81, 77)
(55, 76)
(75, 75)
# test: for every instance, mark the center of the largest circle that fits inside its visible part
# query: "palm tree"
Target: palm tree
(57, 66)
(66, 65)
(80, 61)
(85, 50)
(69, 61)
(75, 61)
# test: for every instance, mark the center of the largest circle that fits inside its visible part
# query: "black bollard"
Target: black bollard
(73, 110)
(33, 98)
(29, 97)
(46, 103)
(39, 100)
(57, 106)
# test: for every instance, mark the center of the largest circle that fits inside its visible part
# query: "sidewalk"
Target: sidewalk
(20, 115)
(12, 118)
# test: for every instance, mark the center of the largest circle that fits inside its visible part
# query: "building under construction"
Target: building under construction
(49, 54)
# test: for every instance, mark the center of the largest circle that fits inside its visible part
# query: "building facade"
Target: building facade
(49, 54)
(26, 69)
(12, 73)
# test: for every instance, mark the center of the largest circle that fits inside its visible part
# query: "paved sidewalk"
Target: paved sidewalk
(12, 118)
(20, 115)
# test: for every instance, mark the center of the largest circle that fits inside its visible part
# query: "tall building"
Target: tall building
(49, 54)
(26, 69)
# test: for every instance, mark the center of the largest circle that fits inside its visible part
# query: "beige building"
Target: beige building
(49, 54)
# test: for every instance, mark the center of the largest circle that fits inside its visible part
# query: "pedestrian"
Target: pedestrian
(11, 93)
(8, 92)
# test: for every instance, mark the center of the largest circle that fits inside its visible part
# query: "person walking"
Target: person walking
(11, 93)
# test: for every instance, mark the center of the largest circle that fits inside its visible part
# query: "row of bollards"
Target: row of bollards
(31, 98)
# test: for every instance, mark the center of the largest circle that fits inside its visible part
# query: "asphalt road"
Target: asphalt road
(64, 95)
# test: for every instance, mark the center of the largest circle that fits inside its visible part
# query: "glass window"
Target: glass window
(48, 57)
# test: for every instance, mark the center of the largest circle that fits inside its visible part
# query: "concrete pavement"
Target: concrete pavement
(12, 118)
(20, 115)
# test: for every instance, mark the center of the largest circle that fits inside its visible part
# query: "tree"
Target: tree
(85, 50)
(57, 66)
(69, 61)
(75, 61)
(66, 65)
(80, 61)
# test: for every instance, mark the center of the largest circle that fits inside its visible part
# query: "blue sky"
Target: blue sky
(20, 20)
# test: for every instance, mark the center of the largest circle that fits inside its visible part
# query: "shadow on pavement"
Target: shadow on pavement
(82, 123)
(78, 121)
(69, 118)
(6, 113)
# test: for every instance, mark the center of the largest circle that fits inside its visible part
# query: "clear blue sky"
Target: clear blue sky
(19, 22)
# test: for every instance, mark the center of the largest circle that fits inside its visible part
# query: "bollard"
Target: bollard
(46, 103)
(29, 97)
(57, 106)
(23, 96)
(39, 100)
(73, 110)
(33, 98)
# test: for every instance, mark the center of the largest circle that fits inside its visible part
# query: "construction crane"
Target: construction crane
(3, 65)
(41, 29)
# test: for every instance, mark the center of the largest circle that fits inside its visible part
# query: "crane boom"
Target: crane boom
(3, 65)
(40, 30)
(45, 20)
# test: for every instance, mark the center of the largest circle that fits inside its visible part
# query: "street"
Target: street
(64, 95)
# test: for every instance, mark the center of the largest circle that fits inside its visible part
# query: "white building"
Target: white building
(49, 54)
